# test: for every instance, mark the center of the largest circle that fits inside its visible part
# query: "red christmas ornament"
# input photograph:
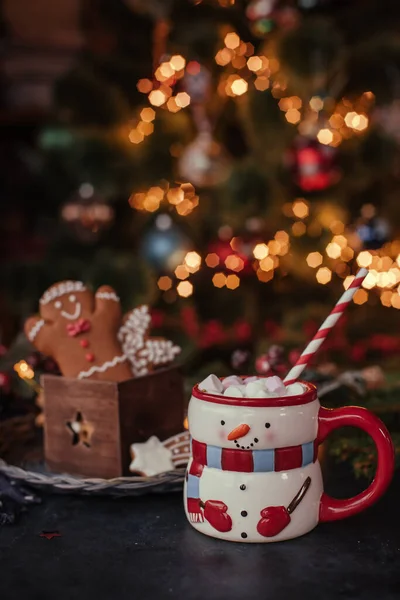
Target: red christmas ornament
(212, 334)
(262, 365)
(5, 382)
(313, 165)
(236, 248)
(157, 318)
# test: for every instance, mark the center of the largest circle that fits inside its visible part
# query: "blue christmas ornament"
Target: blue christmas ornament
(373, 233)
(164, 246)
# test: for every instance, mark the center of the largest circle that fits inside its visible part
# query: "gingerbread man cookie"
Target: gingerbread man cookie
(79, 330)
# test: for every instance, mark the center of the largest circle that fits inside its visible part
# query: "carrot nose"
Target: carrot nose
(238, 432)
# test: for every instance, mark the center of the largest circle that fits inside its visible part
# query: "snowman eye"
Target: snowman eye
(222, 422)
(267, 425)
(72, 298)
(57, 304)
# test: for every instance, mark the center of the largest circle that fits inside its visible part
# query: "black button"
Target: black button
(244, 513)
(244, 535)
(242, 487)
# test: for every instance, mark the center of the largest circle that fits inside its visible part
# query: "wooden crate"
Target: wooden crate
(90, 425)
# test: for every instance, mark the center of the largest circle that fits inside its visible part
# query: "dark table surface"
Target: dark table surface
(139, 548)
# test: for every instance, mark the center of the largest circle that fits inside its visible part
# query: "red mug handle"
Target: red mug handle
(332, 509)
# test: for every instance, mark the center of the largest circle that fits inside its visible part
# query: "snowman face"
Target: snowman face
(252, 428)
(69, 306)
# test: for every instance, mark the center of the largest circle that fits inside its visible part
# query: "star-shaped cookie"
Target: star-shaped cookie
(150, 458)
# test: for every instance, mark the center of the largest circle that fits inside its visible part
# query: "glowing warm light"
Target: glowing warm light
(360, 297)
(323, 275)
(364, 259)
(136, 136)
(232, 282)
(232, 40)
(185, 423)
(300, 209)
(293, 116)
(266, 264)
(24, 370)
(333, 250)
(262, 83)
(264, 276)
(157, 98)
(172, 105)
(316, 103)
(386, 298)
(348, 281)
(151, 203)
(184, 289)
(177, 62)
(298, 228)
(340, 240)
(166, 70)
(347, 254)
(182, 99)
(325, 136)
(314, 259)
(224, 57)
(254, 64)
(360, 122)
(219, 280)
(164, 283)
(181, 272)
(144, 86)
(370, 281)
(274, 247)
(395, 301)
(260, 251)
(147, 115)
(239, 87)
(368, 211)
(145, 128)
(192, 260)
(239, 62)
(336, 227)
(212, 260)
(234, 263)
(282, 237)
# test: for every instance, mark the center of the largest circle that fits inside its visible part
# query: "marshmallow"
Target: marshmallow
(231, 380)
(295, 389)
(264, 394)
(253, 387)
(251, 379)
(211, 385)
(276, 385)
(234, 391)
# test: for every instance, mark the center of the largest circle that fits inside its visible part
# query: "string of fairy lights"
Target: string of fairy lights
(329, 121)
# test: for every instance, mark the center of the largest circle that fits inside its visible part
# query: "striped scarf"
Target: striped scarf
(244, 461)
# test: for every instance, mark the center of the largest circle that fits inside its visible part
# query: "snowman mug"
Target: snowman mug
(254, 474)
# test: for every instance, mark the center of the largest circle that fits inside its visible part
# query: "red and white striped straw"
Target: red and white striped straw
(326, 326)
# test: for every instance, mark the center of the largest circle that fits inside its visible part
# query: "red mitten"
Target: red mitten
(215, 512)
(274, 520)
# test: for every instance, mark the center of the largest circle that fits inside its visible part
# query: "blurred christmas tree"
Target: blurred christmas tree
(229, 163)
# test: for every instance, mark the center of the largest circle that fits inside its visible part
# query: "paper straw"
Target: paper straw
(326, 326)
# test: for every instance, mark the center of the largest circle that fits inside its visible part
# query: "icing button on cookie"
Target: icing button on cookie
(84, 343)
(89, 357)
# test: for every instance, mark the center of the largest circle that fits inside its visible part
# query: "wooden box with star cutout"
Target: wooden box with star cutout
(91, 424)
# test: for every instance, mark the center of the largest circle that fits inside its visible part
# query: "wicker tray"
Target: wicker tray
(28, 467)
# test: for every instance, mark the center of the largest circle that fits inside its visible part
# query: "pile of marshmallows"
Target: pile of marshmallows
(250, 387)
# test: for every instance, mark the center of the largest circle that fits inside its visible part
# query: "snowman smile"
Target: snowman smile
(250, 447)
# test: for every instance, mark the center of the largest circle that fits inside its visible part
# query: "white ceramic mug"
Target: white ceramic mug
(254, 474)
